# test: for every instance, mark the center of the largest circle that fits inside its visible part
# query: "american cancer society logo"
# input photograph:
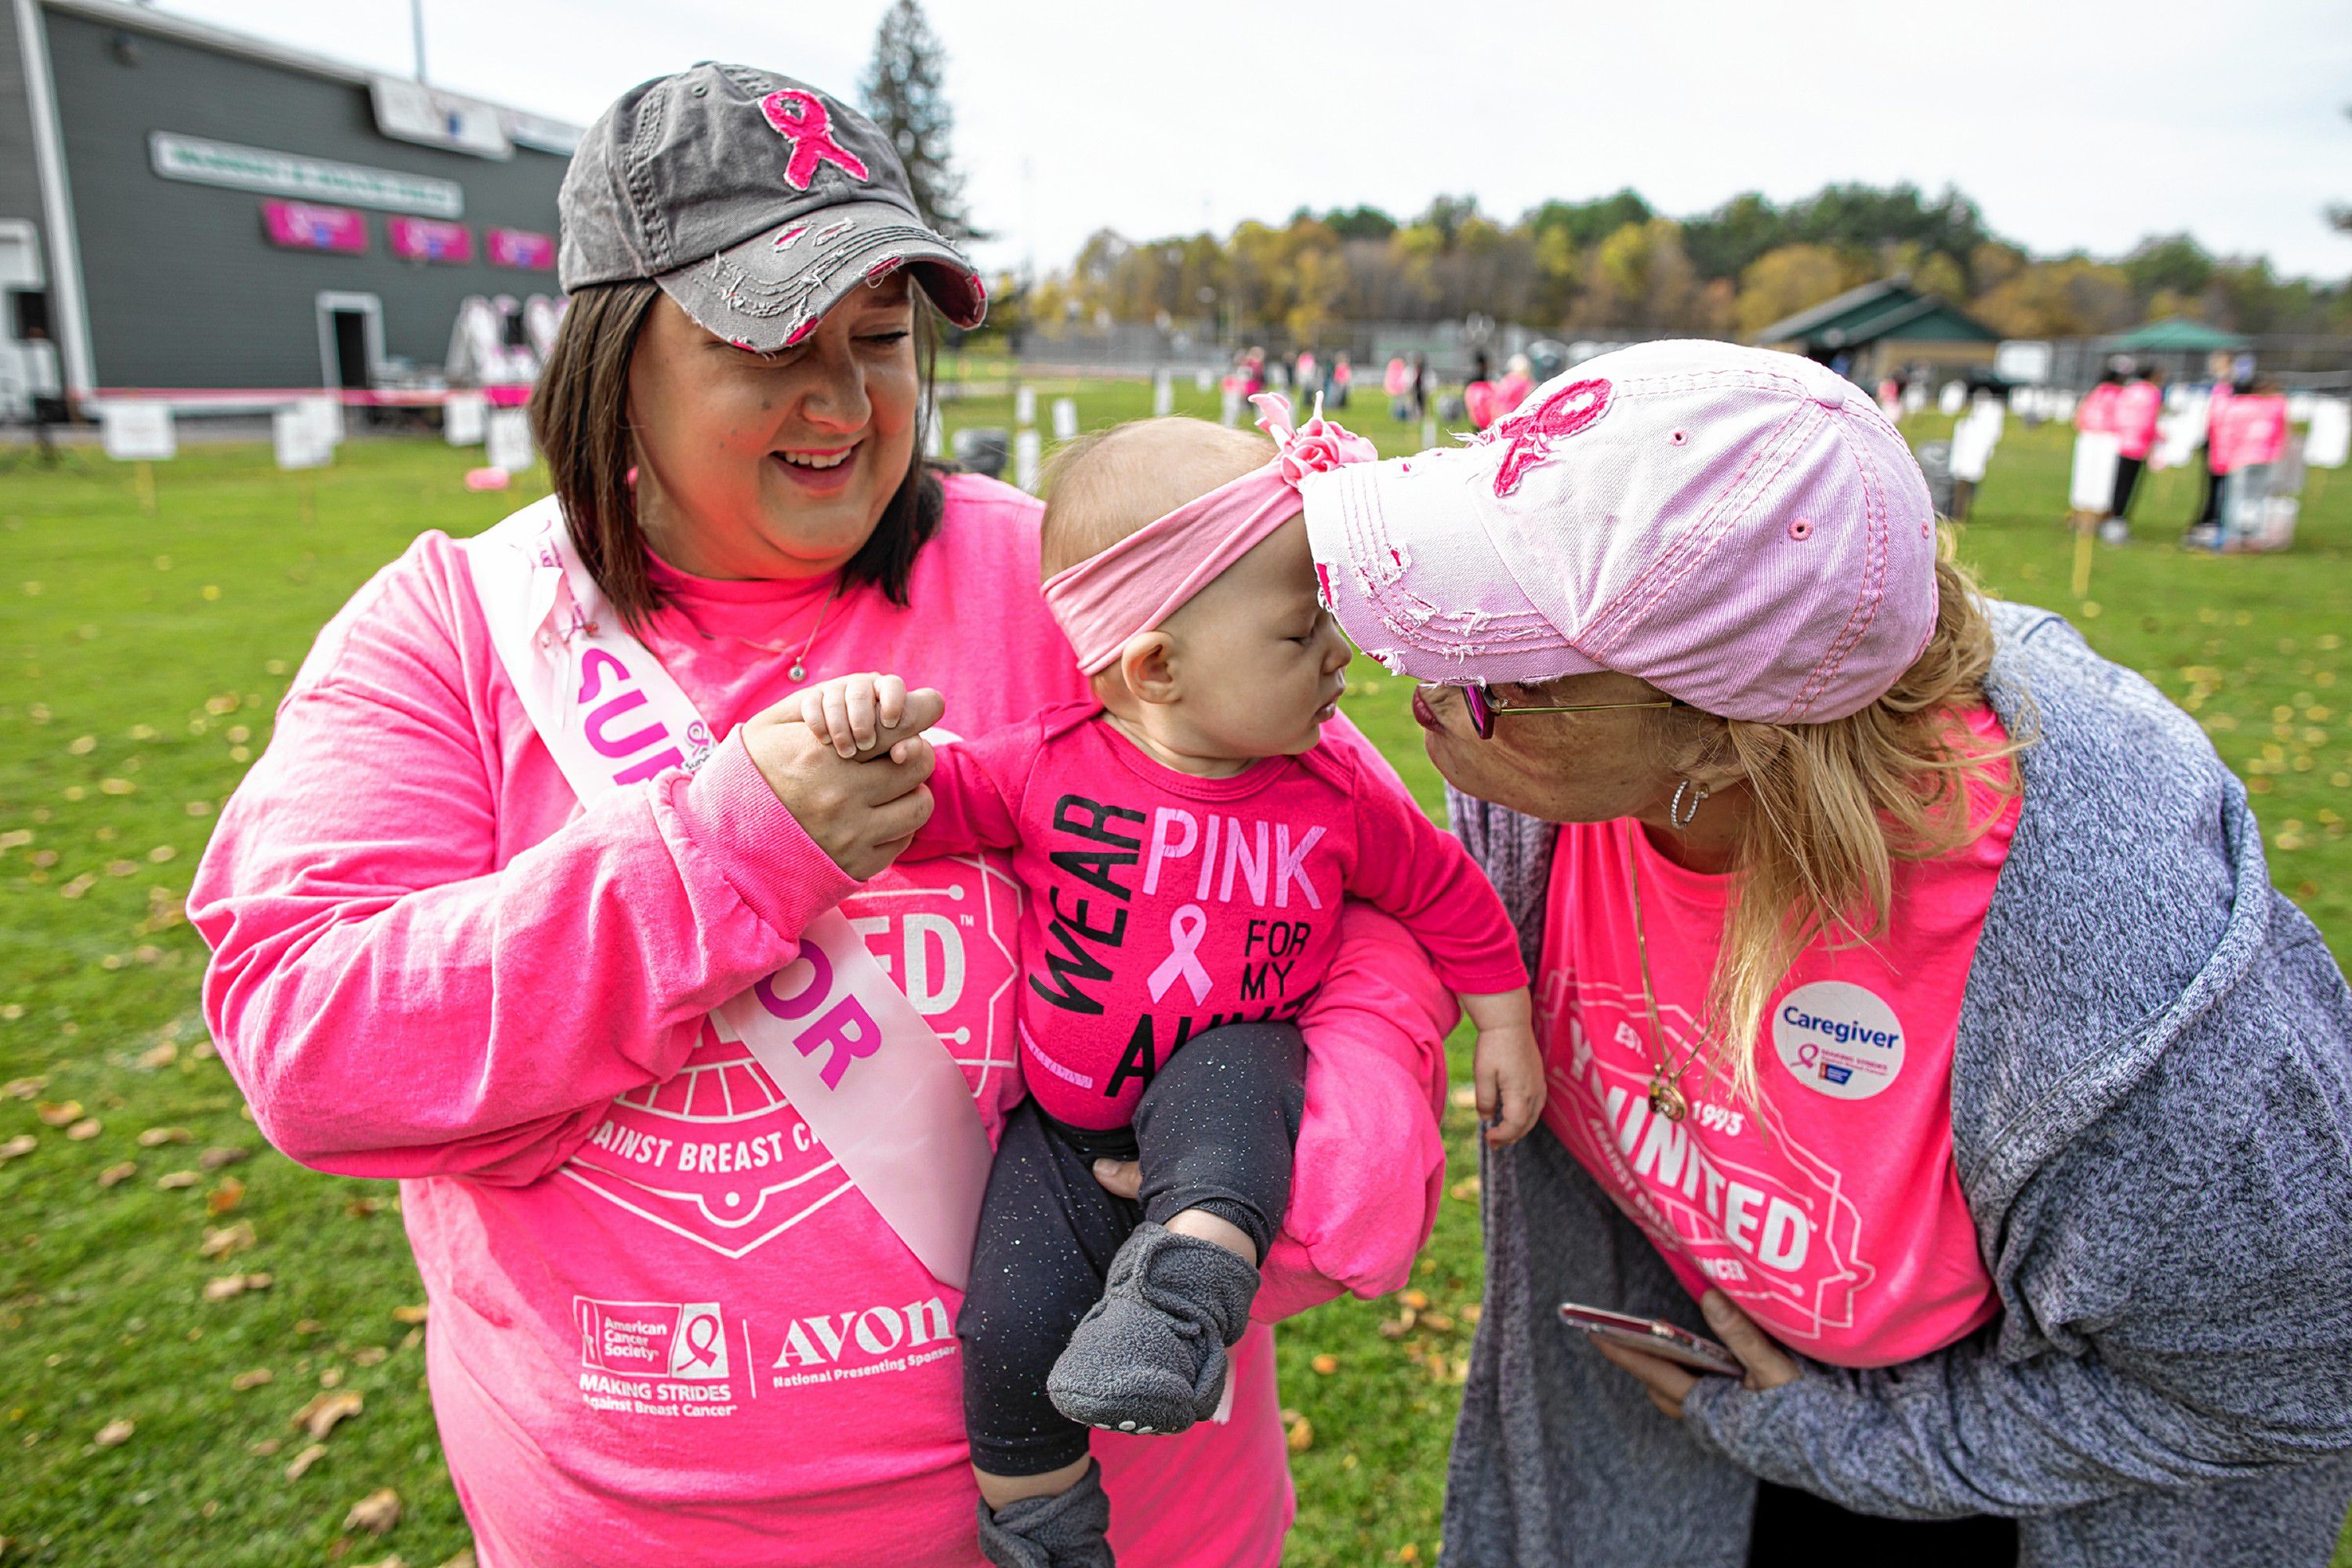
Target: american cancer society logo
(678, 1341)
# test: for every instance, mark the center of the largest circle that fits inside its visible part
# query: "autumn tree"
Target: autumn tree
(1793, 277)
(905, 95)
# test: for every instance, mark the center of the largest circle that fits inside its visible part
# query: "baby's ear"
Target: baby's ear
(1148, 664)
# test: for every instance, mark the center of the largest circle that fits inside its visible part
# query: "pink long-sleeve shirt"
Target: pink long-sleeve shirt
(1162, 905)
(2134, 416)
(663, 1326)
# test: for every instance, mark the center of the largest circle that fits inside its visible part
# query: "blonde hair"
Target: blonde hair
(1106, 484)
(1836, 804)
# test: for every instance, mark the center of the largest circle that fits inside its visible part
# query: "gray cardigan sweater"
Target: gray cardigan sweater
(2152, 1114)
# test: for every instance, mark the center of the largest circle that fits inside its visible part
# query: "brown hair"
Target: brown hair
(1106, 484)
(580, 416)
(1836, 803)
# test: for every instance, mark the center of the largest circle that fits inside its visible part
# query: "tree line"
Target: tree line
(1617, 267)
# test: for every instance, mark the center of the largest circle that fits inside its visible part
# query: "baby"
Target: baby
(1185, 841)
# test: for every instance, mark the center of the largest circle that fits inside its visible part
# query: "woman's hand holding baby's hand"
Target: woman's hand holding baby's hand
(860, 811)
(1507, 1066)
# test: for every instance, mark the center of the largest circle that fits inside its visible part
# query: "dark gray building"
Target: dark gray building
(191, 212)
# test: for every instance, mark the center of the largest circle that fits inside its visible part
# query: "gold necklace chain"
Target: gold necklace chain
(799, 669)
(1666, 1097)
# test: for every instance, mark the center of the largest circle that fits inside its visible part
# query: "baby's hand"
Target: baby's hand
(1506, 1065)
(850, 712)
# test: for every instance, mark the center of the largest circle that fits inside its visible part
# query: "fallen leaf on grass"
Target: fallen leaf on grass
(156, 1137)
(369, 1356)
(376, 1513)
(465, 1558)
(115, 1433)
(305, 1459)
(264, 1448)
(1302, 1435)
(395, 1561)
(22, 1087)
(228, 1287)
(227, 1240)
(59, 1113)
(172, 1181)
(161, 1056)
(1473, 1312)
(308, 1326)
(319, 1417)
(361, 1208)
(214, 1159)
(410, 1314)
(114, 1175)
(332, 1378)
(1465, 1100)
(1467, 1189)
(85, 1129)
(254, 1379)
(225, 1195)
(17, 1147)
(1415, 1300)
(1326, 1364)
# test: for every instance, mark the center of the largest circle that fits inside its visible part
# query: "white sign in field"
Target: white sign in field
(1163, 396)
(204, 163)
(2329, 443)
(465, 419)
(1025, 460)
(2091, 486)
(1065, 419)
(1025, 405)
(138, 432)
(301, 440)
(508, 439)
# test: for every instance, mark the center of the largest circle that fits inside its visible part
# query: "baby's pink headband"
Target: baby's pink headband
(1146, 577)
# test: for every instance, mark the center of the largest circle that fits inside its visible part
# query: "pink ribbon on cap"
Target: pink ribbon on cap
(1138, 583)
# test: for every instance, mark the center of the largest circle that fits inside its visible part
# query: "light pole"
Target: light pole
(416, 30)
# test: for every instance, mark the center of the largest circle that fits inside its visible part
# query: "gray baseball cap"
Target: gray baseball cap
(755, 201)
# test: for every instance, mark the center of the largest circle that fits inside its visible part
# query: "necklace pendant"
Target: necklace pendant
(799, 671)
(1666, 1099)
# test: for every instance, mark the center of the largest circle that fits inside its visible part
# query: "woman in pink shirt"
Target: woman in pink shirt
(481, 924)
(1921, 1021)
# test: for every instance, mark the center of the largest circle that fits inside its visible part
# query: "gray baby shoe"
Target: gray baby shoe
(1065, 1532)
(1150, 1355)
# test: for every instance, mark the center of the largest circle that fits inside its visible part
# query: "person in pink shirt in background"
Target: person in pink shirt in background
(667, 1325)
(1179, 570)
(2133, 415)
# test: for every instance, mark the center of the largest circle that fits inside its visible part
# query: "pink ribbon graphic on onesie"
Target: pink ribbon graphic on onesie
(801, 118)
(1186, 927)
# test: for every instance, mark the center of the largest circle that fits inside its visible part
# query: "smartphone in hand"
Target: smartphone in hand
(1652, 1336)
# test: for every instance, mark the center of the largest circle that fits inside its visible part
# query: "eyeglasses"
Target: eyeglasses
(1484, 709)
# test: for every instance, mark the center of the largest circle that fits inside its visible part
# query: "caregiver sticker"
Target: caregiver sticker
(1838, 1038)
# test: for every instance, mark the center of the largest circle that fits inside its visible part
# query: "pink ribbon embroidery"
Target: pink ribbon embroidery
(801, 118)
(1185, 929)
(1531, 435)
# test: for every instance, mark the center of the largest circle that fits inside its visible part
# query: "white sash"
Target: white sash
(878, 1087)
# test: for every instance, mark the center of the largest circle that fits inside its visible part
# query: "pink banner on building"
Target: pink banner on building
(430, 239)
(303, 225)
(521, 249)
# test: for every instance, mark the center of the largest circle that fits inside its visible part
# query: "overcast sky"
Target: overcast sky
(2070, 123)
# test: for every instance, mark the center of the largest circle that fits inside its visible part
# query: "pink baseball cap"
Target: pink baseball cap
(1741, 529)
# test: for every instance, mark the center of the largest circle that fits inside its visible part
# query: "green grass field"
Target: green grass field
(173, 1293)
